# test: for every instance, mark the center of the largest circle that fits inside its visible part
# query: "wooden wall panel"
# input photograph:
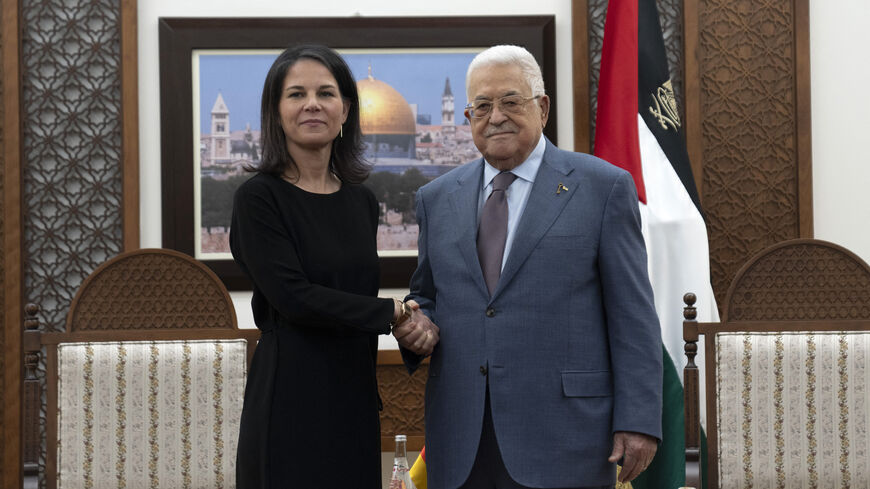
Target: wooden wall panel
(71, 116)
(3, 33)
(580, 72)
(130, 124)
(597, 14)
(75, 203)
(402, 395)
(10, 257)
(749, 85)
(741, 75)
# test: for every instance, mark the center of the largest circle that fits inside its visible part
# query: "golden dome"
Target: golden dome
(383, 110)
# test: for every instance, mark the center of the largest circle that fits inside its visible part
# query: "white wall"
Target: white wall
(840, 84)
(840, 98)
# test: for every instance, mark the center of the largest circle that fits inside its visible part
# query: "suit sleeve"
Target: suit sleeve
(633, 328)
(422, 286)
(265, 248)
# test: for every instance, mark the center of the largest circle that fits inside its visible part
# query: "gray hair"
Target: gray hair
(509, 55)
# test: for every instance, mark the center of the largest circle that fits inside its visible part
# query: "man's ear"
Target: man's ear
(544, 104)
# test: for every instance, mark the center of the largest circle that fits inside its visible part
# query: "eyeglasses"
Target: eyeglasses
(510, 104)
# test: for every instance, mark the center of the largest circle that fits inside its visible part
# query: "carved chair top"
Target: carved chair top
(151, 289)
(800, 280)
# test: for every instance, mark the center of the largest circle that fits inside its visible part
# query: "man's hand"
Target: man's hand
(636, 451)
(417, 333)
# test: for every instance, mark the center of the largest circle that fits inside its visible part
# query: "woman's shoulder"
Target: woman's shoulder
(361, 190)
(260, 182)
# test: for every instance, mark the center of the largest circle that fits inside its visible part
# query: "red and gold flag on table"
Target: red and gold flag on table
(418, 470)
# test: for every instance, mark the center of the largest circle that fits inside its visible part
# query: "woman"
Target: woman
(304, 231)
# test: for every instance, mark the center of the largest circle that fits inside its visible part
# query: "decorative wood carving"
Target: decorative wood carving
(595, 22)
(71, 115)
(747, 59)
(671, 20)
(800, 280)
(69, 78)
(403, 396)
(151, 289)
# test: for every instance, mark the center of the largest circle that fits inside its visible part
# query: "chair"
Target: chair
(787, 373)
(144, 387)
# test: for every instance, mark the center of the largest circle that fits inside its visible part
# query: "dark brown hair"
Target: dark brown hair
(346, 160)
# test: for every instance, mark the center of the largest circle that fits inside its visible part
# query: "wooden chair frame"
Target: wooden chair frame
(137, 327)
(693, 329)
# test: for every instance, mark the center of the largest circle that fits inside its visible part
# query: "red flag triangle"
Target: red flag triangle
(616, 136)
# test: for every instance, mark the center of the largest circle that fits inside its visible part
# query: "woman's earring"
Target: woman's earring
(341, 131)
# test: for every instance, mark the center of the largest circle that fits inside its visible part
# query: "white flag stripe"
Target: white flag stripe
(677, 249)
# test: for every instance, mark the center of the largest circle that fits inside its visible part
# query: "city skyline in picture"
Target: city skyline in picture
(412, 115)
(419, 76)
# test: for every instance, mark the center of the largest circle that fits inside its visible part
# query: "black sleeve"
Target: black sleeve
(265, 249)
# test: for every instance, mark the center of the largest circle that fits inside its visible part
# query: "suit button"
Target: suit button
(482, 370)
(490, 312)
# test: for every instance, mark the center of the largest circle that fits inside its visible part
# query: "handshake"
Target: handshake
(414, 331)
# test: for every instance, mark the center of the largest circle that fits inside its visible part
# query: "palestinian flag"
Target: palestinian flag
(638, 128)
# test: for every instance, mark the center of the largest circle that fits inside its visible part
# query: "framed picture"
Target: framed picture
(211, 76)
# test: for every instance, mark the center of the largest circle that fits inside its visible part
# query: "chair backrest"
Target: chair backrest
(788, 398)
(145, 386)
(800, 280)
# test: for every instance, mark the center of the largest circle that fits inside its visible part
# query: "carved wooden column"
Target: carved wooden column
(691, 394)
(32, 398)
(10, 255)
(68, 173)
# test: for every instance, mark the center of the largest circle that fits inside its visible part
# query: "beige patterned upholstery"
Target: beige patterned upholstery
(792, 409)
(144, 385)
(787, 374)
(149, 413)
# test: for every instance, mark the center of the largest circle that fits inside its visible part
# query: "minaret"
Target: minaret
(220, 130)
(447, 109)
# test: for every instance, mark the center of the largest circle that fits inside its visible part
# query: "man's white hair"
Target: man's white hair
(509, 55)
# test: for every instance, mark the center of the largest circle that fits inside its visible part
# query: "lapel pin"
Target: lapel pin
(560, 188)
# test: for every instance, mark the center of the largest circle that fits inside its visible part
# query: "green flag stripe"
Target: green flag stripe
(668, 468)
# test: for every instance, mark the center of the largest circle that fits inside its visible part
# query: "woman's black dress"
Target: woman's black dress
(310, 416)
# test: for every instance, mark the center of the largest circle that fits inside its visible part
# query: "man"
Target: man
(548, 369)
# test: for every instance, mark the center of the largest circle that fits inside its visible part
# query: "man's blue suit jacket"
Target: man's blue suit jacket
(569, 341)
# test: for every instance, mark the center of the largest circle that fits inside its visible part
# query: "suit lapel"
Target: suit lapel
(464, 200)
(542, 209)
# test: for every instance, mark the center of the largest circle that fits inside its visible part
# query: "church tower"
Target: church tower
(220, 130)
(448, 125)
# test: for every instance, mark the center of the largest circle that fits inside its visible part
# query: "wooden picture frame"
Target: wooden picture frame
(180, 36)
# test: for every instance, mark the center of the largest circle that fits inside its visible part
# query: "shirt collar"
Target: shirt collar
(525, 170)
